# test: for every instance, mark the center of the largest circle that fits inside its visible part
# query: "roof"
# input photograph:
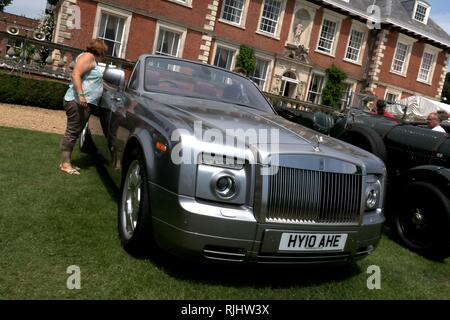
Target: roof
(395, 12)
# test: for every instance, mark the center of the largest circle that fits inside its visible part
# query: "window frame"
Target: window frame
(337, 19)
(269, 69)
(409, 42)
(317, 93)
(435, 53)
(395, 92)
(362, 29)
(279, 25)
(102, 8)
(234, 49)
(184, 3)
(427, 11)
(174, 29)
(243, 18)
(136, 72)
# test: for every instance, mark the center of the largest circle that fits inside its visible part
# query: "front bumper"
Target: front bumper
(201, 230)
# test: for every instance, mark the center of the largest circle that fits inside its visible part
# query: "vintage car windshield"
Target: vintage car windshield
(184, 78)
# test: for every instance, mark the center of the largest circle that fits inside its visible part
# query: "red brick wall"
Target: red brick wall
(410, 81)
(326, 61)
(180, 13)
(249, 36)
(137, 43)
(380, 92)
(22, 23)
(19, 21)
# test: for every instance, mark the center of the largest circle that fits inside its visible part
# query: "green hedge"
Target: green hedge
(31, 92)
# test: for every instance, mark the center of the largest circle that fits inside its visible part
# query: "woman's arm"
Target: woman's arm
(85, 63)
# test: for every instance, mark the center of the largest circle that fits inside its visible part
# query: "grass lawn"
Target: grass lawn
(50, 221)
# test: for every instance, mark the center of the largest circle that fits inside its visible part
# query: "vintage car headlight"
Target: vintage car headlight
(372, 193)
(222, 183)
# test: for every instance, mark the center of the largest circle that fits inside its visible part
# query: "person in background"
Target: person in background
(434, 123)
(84, 92)
(241, 71)
(381, 109)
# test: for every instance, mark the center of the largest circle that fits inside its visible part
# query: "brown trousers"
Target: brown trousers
(77, 117)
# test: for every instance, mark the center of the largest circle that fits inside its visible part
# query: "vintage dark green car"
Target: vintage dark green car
(418, 164)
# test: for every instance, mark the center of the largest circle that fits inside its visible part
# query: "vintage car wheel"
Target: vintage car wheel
(367, 139)
(134, 218)
(86, 143)
(422, 220)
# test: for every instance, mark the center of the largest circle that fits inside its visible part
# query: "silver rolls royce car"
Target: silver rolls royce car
(208, 170)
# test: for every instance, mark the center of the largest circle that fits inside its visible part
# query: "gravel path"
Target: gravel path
(38, 119)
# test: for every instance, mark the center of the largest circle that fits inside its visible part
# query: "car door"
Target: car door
(119, 127)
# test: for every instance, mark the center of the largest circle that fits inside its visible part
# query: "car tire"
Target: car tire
(367, 139)
(86, 143)
(422, 221)
(134, 217)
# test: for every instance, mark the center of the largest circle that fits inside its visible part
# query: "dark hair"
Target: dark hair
(240, 70)
(381, 105)
(97, 48)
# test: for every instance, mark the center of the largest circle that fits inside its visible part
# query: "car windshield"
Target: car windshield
(184, 78)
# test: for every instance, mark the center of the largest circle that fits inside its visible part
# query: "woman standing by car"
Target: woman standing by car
(84, 92)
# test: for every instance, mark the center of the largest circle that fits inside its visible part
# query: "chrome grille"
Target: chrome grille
(309, 197)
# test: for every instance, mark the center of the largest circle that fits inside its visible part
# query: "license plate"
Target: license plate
(312, 242)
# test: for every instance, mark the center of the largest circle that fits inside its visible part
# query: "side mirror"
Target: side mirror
(115, 78)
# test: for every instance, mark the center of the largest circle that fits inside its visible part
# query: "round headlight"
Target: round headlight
(225, 187)
(372, 199)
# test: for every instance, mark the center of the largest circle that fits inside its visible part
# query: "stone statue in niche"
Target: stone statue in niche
(298, 33)
(300, 28)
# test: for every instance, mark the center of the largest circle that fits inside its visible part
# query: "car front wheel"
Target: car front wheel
(134, 218)
(422, 220)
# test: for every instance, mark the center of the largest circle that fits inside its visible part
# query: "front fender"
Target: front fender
(438, 176)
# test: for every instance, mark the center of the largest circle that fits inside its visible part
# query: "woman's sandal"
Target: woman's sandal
(73, 171)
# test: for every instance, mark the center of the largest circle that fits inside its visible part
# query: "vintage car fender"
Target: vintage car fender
(363, 137)
(436, 175)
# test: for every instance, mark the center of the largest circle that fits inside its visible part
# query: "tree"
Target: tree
(334, 88)
(246, 59)
(4, 3)
(446, 90)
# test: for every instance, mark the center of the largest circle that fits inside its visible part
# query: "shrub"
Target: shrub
(334, 88)
(246, 59)
(31, 92)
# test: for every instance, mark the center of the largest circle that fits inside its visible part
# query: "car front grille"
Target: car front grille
(309, 197)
